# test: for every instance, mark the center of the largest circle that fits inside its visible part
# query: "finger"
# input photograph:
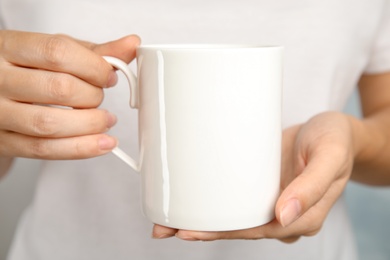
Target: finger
(124, 48)
(272, 229)
(306, 226)
(309, 187)
(17, 145)
(46, 87)
(55, 53)
(160, 232)
(43, 121)
(251, 233)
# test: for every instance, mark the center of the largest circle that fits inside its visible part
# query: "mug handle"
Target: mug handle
(134, 103)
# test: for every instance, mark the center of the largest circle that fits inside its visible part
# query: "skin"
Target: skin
(56, 70)
(319, 156)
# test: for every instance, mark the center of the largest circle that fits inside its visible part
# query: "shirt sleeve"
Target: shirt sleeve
(379, 61)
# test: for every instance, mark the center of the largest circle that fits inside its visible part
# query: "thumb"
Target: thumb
(306, 190)
(123, 48)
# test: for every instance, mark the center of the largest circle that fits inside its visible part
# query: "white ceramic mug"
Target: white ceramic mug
(209, 134)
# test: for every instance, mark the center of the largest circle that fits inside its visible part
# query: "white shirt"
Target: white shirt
(89, 209)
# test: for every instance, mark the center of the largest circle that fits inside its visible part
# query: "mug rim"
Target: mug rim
(202, 46)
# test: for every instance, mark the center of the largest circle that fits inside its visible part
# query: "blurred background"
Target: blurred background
(369, 207)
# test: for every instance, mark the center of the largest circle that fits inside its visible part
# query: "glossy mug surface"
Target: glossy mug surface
(209, 134)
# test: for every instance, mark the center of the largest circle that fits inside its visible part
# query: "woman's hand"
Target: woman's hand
(318, 159)
(42, 74)
(317, 162)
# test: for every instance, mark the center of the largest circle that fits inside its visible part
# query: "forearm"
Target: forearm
(371, 137)
(5, 165)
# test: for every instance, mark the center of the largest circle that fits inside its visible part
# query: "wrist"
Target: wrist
(370, 143)
(368, 139)
(358, 137)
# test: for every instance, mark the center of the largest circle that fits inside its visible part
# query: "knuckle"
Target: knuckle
(53, 49)
(60, 88)
(81, 148)
(39, 148)
(44, 124)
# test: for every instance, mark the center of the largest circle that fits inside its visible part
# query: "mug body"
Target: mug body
(210, 134)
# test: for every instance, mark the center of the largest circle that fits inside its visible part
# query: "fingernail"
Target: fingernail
(107, 143)
(112, 79)
(290, 212)
(111, 120)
